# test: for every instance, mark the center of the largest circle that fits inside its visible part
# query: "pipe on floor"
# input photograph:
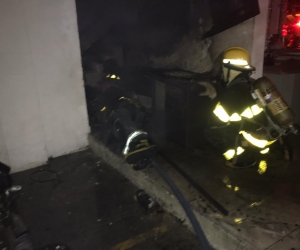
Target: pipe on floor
(185, 205)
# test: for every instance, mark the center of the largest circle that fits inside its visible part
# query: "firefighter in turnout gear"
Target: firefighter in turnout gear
(119, 110)
(235, 110)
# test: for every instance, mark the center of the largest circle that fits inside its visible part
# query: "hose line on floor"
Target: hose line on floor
(185, 205)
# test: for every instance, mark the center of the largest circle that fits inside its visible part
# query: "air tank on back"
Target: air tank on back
(268, 94)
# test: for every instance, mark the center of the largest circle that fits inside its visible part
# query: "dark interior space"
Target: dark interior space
(144, 37)
(153, 42)
(149, 27)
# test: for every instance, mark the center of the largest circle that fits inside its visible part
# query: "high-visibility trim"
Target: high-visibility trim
(103, 109)
(256, 109)
(235, 118)
(265, 151)
(125, 98)
(138, 151)
(129, 140)
(221, 113)
(229, 154)
(247, 113)
(256, 142)
(240, 150)
(262, 167)
(241, 62)
(113, 76)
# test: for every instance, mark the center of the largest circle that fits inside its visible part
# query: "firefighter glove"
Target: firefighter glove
(210, 90)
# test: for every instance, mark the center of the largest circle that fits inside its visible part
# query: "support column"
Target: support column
(259, 38)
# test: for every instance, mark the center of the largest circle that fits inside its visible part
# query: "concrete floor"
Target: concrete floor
(93, 208)
(264, 207)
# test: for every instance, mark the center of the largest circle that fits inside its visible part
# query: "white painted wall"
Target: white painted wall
(42, 102)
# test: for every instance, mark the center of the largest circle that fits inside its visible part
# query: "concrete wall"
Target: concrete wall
(190, 54)
(259, 38)
(239, 35)
(42, 102)
(275, 17)
(250, 34)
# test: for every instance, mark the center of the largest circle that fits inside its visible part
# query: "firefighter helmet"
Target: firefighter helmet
(111, 69)
(237, 58)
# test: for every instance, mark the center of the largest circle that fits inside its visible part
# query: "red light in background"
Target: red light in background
(284, 32)
(298, 24)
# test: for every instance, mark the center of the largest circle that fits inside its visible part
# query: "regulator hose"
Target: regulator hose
(185, 205)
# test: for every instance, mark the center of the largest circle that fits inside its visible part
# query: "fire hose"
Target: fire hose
(185, 205)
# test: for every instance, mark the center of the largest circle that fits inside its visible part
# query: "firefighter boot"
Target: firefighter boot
(138, 151)
(245, 160)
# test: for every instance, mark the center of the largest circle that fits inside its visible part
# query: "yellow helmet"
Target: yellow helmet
(237, 58)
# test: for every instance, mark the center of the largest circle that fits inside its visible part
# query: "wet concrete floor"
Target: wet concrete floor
(90, 206)
(263, 202)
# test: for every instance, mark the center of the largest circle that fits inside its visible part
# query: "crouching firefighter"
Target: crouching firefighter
(246, 111)
(123, 119)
